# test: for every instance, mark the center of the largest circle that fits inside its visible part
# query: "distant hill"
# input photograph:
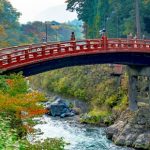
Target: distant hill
(57, 13)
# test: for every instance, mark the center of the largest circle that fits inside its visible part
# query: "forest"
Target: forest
(117, 16)
(92, 84)
(12, 33)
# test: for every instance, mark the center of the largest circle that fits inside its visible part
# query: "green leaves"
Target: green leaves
(48, 144)
(8, 137)
(13, 85)
(8, 22)
(3, 85)
(8, 15)
(117, 16)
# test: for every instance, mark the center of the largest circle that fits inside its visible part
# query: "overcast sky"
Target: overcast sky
(31, 9)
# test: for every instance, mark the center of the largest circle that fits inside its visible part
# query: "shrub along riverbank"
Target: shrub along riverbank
(92, 84)
(17, 107)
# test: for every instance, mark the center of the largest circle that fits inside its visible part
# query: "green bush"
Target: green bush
(111, 101)
(122, 105)
(19, 85)
(9, 136)
(3, 85)
(9, 140)
(48, 144)
(95, 117)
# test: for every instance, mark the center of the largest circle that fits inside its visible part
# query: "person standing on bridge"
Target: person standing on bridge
(130, 36)
(135, 37)
(104, 39)
(102, 32)
(129, 39)
(143, 36)
(72, 36)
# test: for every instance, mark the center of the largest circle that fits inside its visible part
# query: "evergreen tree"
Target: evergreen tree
(117, 16)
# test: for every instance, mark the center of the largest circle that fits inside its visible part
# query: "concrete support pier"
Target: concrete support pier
(134, 72)
(132, 93)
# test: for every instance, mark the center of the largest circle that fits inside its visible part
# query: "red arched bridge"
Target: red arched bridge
(37, 58)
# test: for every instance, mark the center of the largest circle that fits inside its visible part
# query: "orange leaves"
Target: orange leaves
(34, 97)
(23, 102)
(33, 112)
(14, 97)
(10, 82)
(37, 111)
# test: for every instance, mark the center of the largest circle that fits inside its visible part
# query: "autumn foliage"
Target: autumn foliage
(14, 97)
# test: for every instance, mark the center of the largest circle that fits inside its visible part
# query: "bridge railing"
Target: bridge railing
(126, 44)
(22, 55)
(17, 56)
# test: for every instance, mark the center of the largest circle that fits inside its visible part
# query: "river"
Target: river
(80, 137)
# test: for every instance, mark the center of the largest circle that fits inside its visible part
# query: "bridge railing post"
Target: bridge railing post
(66, 49)
(58, 48)
(1, 63)
(119, 43)
(144, 44)
(18, 59)
(73, 45)
(27, 54)
(88, 44)
(43, 49)
(104, 42)
(9, 58)
(129, 44)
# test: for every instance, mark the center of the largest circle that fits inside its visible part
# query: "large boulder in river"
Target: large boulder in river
(60, 108)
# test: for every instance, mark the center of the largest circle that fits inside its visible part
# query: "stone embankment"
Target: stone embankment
(132, 129)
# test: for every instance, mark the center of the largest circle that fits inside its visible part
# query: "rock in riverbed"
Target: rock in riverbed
(60, 108)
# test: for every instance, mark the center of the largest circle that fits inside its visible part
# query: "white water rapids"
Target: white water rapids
(80, 137)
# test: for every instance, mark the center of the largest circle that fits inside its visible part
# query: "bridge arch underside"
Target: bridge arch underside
(128, 58)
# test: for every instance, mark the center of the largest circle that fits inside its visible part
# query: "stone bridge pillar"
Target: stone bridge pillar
(132, 93)
(134, 73)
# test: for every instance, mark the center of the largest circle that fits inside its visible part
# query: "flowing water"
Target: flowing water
(80, 137)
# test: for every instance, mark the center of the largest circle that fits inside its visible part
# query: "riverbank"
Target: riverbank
(132, 129)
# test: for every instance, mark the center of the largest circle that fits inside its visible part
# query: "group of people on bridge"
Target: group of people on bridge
(102, 33)
(130, 36)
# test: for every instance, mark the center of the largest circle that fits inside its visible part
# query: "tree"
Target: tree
(117, 16)
(8, 21)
